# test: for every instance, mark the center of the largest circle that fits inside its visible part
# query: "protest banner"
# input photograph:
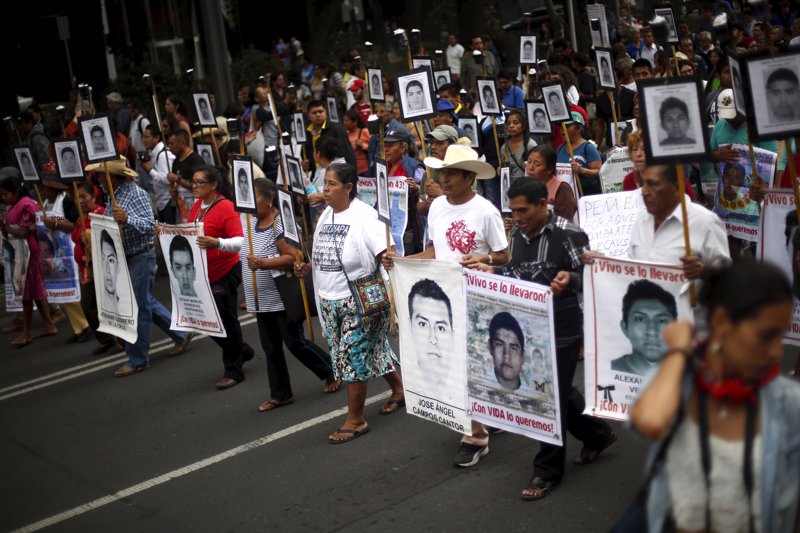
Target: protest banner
(16, 254)
(193, 305)
(57, 261)
(732, 197)
(116, 304)
(779, 243)
(398, 204)
(431, 322)
(512, 383)
(626, 304)
(617, 165)
(608, 220)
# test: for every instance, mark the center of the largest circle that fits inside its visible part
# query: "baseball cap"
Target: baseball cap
(114, 97)
(444, 133)
(445, 105)
(725, 105)
(357, 84)
(576, 117)
(394, 136)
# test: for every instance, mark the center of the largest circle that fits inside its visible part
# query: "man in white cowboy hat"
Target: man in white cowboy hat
(465, 228)
(134, 213)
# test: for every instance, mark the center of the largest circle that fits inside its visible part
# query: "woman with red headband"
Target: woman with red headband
(729, 427)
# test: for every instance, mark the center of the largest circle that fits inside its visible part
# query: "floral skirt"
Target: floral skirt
(355, 354)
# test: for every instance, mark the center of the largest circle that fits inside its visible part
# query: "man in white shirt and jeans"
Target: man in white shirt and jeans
(159, 165)
(465, 228)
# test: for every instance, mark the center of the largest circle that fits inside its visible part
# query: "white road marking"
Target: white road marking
(95, 366)
(180, 472)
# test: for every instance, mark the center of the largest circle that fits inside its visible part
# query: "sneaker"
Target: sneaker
(469, 455)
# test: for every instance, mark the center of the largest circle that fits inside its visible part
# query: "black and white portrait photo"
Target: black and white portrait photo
(202, 105)
(286, 211)
(422, 62)
(114, 296)
(505, 183)
(470, 127)
(25, 163)
(68, 157)
(299, 128)
(415, 90)
(777, 78)
(672, 119)
(182, 266)
(537, 118)
(527, 50)
(672, 28)
(605, 69)
(487, 92)
(555, 102)
(333, 110)
(442, 78)
(206, 151)
(382, 190)
(739, 95)
(242, 174)
(98, 139)
(295, 171)
(375, 84)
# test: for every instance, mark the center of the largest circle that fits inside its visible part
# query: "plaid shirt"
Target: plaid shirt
(557, 246)
(138, 234)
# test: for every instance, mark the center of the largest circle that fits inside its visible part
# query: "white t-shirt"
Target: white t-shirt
(475, 227)
(454, 55)
(356, 237)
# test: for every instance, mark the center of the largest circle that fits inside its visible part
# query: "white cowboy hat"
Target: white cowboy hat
(462, 157)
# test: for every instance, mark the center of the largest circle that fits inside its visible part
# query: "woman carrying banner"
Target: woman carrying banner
(348, 244)
(518, 145)
(222, 241)
(271, 257)
(20, 223)
(728, 425)
(541, 164)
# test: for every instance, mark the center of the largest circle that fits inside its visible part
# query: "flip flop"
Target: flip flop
(337, 385)
(392, 405)
(273, 404)
(545, 488)
(354, 434)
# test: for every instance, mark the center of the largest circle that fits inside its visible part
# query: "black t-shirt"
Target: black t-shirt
(186, 168)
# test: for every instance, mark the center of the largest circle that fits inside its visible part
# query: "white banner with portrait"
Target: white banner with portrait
(117, 309)
(512, 383)
(608, 220)
(429, 300)
(779, 243)
(398, 205)
(16, 254)
(626, 304)
(193, 306)
(57, 261)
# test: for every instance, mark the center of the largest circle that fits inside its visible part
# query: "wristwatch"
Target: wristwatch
(491, 261)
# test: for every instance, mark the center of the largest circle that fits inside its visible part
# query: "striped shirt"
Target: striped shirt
(557, 246)
(264, 239)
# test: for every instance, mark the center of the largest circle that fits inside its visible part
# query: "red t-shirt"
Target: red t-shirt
(786, 179)
(222, 222)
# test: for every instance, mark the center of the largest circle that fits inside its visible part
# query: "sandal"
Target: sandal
(331, 385)
(589, 456)
(274, 404)
(21, 341)
(536, 483)
(354, 434)
(392, 405)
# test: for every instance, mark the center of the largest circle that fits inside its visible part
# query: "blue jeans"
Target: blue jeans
(142, 268)
(491, 190)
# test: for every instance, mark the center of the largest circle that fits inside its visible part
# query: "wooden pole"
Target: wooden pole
(216, 147)
(752, 153)
(249, 235)
(577, 179)
(684, 214)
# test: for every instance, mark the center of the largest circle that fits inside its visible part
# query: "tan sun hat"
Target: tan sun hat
(462, 158)
(118, 167)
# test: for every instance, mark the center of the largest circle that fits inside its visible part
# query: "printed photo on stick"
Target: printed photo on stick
(739, 94)
(470, 127)
(295, 171)
(68, 157)
(487, 92)
(555, 102)
(299, 128)
(422, 62)
(242, 172)
(537, 117)
(442, 78)
(672, 120)
(333, 111)
(527, 50)
(672, 28)
(25, 163)
(415, 91)
(605, 68)
(777, 78)
(286, 211)
(98, 139)
(600, 33)
(202, 106)
(206, 151)
(384, 214)
(375, 85)
(505, 183)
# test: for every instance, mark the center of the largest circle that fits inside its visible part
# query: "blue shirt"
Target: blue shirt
(138, 233)
(584, 154)
(514, 97)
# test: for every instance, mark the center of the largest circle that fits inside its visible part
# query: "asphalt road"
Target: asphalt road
(165, 451)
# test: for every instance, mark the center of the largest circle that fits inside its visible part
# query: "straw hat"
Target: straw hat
(462, 158)
(220, 132)
(118, 167)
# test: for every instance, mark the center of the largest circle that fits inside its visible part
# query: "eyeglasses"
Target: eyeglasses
(197, 183)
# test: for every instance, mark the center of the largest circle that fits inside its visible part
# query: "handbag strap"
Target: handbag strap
(336, 248)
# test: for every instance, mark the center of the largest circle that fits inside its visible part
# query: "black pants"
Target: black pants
(592, 432)
(226, 296)
(274, 330)
(89, 306)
